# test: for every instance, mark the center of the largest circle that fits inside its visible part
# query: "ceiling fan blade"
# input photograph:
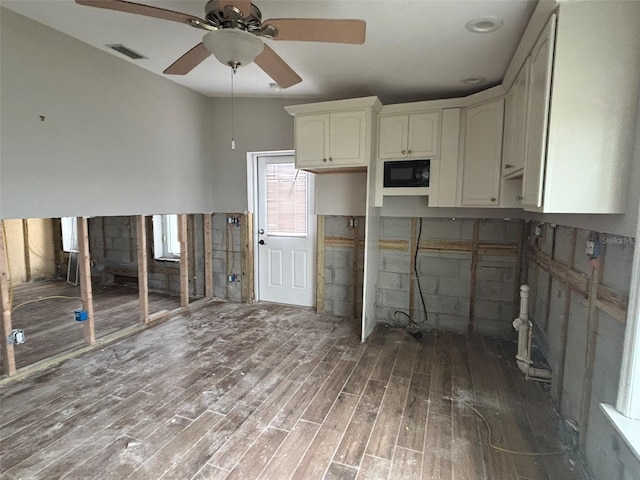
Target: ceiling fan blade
(276, 68)
(146, 10)
(319, 30)
(188, 61)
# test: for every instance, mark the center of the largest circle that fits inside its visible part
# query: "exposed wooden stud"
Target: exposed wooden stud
(550, 283)
(26, 249)
(320, 264)
(564, 335)
(56, 239)
(520, 267)
(132, 243)
(356, 242)
(143, 271)
(412, 269)
(228, 257)
(103, 225)
(208, 255)
(474, 274)
(593, 319)
(191, 239)
(385, 244)
(9, 363)
(85, 280)
(248, 242)
(184, 259)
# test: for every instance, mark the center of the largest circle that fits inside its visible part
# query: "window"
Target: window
(286, 200)
(69, 227)
(166, 245)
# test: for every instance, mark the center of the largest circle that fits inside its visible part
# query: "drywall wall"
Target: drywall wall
(262, 125)
(85, 133)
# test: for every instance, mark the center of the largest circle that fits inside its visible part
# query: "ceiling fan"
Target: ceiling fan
(235, 31)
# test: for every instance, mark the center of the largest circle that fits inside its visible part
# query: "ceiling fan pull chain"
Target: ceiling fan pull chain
(233, 137)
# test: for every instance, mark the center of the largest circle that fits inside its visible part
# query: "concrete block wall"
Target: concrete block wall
(445, 274)
(113, 251)
(561, 314)
(343, 282)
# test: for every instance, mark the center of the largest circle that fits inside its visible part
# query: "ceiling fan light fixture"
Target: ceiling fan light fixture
(233, 47)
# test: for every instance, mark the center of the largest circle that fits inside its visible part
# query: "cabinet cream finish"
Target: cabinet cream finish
(538, 114)
(482, 154)
(416, 135)
(332, 139)
(515, 124)
(583, 102)
(336, 135)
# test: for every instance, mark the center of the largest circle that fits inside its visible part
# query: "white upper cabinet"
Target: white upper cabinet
(483, 154)
(330, 139)
(334, 135)
(583, 98)
(515, 125)
(415, 135)
(538, 114)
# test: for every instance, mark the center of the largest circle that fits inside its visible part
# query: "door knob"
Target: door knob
(261, 231)
(261, 242)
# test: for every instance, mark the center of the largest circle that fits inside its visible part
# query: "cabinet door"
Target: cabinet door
(538, 116)
(392, 136)
(347, 138)
(483, 154)
(521, 92)
(424, 135)
(312, 133)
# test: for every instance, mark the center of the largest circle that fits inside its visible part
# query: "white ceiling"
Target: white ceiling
(414, 50)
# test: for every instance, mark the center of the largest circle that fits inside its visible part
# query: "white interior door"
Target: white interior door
(286, 233)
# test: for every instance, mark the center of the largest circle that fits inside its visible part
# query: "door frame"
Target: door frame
(252, 202)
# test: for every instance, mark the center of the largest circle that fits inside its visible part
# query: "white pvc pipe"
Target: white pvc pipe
(525, 334)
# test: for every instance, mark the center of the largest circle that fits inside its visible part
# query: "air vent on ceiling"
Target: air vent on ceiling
(126, 51)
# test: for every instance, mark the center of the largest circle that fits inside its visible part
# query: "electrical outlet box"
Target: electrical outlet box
(538, 231)
(233, 277)
(16, 337)
(233, 220)
(591, 248)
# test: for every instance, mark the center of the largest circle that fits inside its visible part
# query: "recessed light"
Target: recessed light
(473, 80)
(484, 24)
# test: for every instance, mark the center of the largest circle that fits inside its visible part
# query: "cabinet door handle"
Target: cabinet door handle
(410, 152)
(519, 198)
(404, 152)
(508, 165)
(331, 159)
(493, 199)
(324, 160)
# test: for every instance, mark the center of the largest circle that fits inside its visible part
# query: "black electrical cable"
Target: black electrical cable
(418, 334)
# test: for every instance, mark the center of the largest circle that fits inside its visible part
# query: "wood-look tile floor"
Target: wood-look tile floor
(49, 323)
(277, 392)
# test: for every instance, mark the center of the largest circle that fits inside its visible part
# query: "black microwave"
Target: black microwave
(407, 173)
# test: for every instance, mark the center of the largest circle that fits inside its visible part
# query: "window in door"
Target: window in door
(286, 200)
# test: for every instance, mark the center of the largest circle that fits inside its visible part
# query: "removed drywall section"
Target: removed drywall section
(30, 249)
(227, 256)
(87, 134)
(113, 246)
(467, 268)
(579, 306)
(343, 266)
